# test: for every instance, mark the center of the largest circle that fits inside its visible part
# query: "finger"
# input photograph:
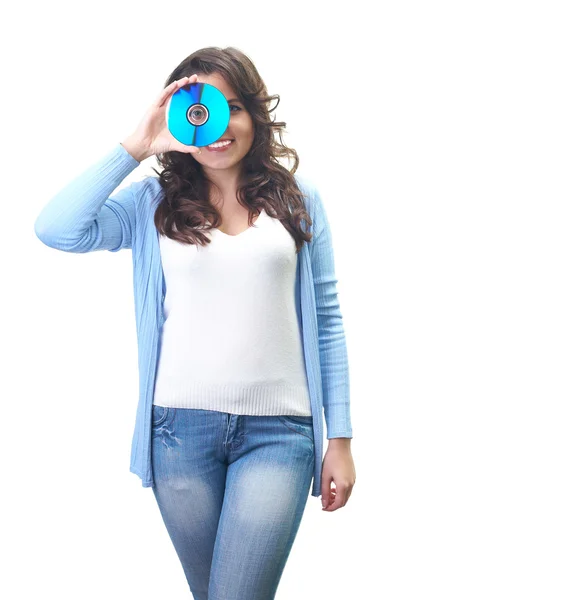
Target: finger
(339, 499)
(171, 89)
(330, 499)
(193, 149)
(189, 149)
(325, 490)
(166, 92)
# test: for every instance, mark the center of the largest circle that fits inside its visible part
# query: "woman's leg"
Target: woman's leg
(189, 468)
(270, 469)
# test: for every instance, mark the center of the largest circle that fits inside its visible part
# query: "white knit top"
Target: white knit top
(231, 340)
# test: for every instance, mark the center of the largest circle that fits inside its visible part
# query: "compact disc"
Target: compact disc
(197, 114)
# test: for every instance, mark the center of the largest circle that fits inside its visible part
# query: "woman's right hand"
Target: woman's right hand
(152, 135)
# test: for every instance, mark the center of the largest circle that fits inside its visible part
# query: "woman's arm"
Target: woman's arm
(84, 217)
(332, 343)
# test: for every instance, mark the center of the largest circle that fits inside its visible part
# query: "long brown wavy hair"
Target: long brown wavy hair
(186, 211)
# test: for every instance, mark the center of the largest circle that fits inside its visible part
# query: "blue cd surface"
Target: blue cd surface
(197, 114)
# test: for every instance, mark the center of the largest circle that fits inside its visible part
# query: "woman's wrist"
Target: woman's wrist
(135, 149)
(340, 442)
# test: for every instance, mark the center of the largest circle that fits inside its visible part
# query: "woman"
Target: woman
(240, 336)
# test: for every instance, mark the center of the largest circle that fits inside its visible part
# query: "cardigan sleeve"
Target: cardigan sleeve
(333, 353)
(84, 216)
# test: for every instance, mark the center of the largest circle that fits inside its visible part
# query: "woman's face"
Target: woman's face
(240, 129)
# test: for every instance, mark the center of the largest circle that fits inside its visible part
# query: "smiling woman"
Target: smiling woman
(231, 182)
(241, 347)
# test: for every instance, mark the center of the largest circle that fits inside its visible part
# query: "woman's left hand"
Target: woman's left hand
(338, 466)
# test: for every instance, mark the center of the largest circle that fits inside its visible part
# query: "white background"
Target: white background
(445, 139)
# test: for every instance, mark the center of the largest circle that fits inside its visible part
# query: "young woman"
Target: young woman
(240, 336)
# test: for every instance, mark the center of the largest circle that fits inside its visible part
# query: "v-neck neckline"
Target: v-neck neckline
(236, 235)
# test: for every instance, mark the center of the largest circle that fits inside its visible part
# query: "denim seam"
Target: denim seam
(294, 430)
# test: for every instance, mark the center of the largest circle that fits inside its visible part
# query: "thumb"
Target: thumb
(191, 149)
(179, 147)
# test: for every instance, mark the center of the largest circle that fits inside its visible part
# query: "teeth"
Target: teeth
(219, 144)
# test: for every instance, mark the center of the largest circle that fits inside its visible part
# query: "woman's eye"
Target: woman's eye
(233, 106)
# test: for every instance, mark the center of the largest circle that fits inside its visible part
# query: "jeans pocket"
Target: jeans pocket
(298, 424)
(159, 414)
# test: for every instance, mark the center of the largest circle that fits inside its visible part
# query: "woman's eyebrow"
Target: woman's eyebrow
(233, 100)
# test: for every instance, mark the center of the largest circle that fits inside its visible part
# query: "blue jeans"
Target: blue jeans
(232, 490)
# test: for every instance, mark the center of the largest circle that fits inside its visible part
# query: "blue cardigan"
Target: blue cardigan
(84, 217)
